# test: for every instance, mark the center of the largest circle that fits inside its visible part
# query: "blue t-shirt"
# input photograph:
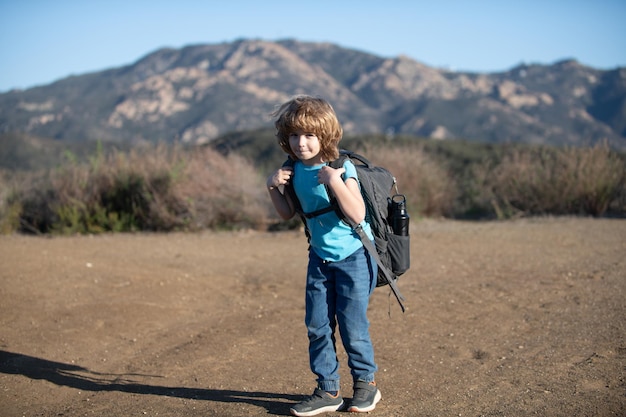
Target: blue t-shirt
(331, 238)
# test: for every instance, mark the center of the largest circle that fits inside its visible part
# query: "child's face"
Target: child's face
(306, 146)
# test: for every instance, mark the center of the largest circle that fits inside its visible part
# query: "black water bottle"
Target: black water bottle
(399, 216)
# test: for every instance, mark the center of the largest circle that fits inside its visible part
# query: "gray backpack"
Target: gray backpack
(390, 250)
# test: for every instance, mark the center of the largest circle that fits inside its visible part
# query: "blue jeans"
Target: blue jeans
(337, 293)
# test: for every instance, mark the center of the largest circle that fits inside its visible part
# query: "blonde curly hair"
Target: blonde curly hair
(311, 115)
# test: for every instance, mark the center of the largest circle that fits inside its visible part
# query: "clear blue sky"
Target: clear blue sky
(45, 40)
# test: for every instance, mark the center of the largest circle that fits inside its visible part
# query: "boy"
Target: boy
(341, 275)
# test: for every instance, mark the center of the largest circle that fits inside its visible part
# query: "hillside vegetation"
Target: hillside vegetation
(172, 187)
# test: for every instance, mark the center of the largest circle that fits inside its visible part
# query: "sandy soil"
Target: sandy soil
(516, 318)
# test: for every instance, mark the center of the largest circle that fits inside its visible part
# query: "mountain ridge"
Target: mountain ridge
(197, 93)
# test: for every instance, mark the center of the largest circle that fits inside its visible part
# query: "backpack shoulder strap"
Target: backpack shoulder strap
(389, 276)
(291, 193)
(289, 190)
(338, 163)
(334, 205)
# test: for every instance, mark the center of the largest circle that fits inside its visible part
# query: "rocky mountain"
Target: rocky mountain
(197, 93)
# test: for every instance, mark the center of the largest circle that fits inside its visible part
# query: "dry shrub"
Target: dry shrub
(429, 189)
(223, 191)
(164, 188)
(10, 207)
(118, 192)
(24, 205)
(601, 178)
(157, 188)
(557, 181)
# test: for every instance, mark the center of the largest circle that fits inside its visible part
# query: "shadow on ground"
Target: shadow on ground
(81, 378)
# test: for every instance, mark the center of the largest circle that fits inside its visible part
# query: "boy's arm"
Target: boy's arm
(281, 201)
(347, 193)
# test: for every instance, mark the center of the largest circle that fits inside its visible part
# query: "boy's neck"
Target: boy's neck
(317, 160)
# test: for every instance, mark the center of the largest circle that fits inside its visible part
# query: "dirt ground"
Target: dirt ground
(517, 318)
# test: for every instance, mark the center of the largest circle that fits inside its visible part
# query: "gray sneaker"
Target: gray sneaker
(319, 402)
(365, 397)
